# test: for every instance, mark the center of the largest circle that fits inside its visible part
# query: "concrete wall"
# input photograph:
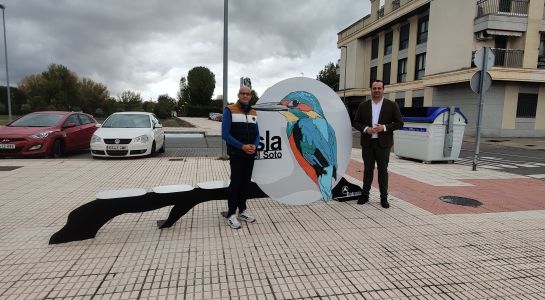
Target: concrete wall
(531, 36)
(500, 107)
(353, 57)
(461, 95)
(450, 35)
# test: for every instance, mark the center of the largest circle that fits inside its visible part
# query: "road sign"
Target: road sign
(474, 82)
(479, 57)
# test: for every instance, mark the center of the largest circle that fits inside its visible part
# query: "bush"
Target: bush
(201, 111)
(99, 112)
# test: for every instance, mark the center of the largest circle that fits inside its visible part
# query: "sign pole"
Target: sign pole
(483, 71)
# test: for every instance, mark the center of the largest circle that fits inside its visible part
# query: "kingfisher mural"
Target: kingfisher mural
(311, 138)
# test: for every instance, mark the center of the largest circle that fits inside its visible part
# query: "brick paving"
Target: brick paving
(420, 248)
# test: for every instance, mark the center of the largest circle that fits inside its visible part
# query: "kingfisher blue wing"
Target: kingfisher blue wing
(315, 140)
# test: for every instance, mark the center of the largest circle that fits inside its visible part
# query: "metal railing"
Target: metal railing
(381, 12)
(502, 7)
(507, 58)
(396, 4)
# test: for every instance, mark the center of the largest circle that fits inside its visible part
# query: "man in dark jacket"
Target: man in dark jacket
(377, 119)
(240, 132)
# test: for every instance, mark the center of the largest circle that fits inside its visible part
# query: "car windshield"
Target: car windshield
(127, 121)
(37, 120)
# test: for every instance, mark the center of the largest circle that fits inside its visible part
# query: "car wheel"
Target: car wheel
(162, 150)
(152, 153)
(56, 150)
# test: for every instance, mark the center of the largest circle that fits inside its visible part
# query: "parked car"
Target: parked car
(47, 133)
(126, 134)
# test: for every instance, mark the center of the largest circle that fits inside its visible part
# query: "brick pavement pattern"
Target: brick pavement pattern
(320, 251)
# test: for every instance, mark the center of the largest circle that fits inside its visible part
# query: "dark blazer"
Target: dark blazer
(389, 116)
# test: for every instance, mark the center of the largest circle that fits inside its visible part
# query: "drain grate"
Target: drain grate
(460, 201)
(9, 168)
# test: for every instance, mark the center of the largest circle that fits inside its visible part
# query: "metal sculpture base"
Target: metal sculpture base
(85, 221)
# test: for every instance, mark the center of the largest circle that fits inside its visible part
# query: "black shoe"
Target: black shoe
(384, 203)
(363, 200)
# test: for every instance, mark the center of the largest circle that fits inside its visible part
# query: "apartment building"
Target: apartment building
(423, 50)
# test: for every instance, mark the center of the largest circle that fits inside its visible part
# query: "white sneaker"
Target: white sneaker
(233, 222)
(245, 216)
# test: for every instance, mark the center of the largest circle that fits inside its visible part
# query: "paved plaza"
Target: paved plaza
(420, 248)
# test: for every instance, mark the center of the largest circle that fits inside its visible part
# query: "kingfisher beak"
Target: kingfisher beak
(270, 106)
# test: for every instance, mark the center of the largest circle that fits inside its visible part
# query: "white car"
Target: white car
(127, 134)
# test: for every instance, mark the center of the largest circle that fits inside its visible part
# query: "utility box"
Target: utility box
(430, 133)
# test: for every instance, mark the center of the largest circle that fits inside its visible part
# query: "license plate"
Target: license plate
(115, 147)
(7, 146)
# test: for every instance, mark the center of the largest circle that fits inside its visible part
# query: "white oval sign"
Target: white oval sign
(305, 141)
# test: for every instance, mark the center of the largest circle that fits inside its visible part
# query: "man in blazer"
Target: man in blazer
(377, 119)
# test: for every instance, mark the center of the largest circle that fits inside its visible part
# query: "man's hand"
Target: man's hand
(377, 129)
(248, 148)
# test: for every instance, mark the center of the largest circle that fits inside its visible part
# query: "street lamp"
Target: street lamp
(345, 61)
(6, 56)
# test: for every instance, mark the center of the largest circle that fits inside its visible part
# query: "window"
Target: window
(388, 43)
(85, 119)
(400, 102)
(420, 66)
(422, 30)
(373, 75)
(386, 71)
(418, 101)
(541, 55)
(402, 70)
(404, 37)
(527, 106)
(72, 119)
(374, 48)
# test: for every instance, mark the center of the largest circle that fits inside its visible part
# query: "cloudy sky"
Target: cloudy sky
(146, 46)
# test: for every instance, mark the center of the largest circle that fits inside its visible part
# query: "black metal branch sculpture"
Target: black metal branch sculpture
(85, 221)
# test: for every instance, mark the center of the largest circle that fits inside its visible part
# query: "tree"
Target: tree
(58, 88)
(183, 93)
(92, 95)
(61, 87)
(200, 83)
(148, 106)
(329, 76)
(254, 98)
(17, 99)
(130, 101)
(111, 105)
(34, 88)
(165, 105)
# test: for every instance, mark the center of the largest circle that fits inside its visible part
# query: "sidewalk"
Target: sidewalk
(202, 125)
(420, 248)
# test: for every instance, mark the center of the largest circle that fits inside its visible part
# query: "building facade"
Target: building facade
(423, 50)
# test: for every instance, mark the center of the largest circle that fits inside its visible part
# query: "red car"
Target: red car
(47, 133)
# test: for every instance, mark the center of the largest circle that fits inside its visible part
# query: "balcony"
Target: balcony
(502, 7)
(505, 58)
(504, 17)
(508, 58)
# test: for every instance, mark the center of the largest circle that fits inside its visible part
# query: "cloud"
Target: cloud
(146, 46)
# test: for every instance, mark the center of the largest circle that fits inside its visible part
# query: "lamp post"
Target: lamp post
(225, 60)
(6, 56)
(345, 61)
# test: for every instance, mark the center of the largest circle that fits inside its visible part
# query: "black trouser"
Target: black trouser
(381, 155)
(241, 175)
